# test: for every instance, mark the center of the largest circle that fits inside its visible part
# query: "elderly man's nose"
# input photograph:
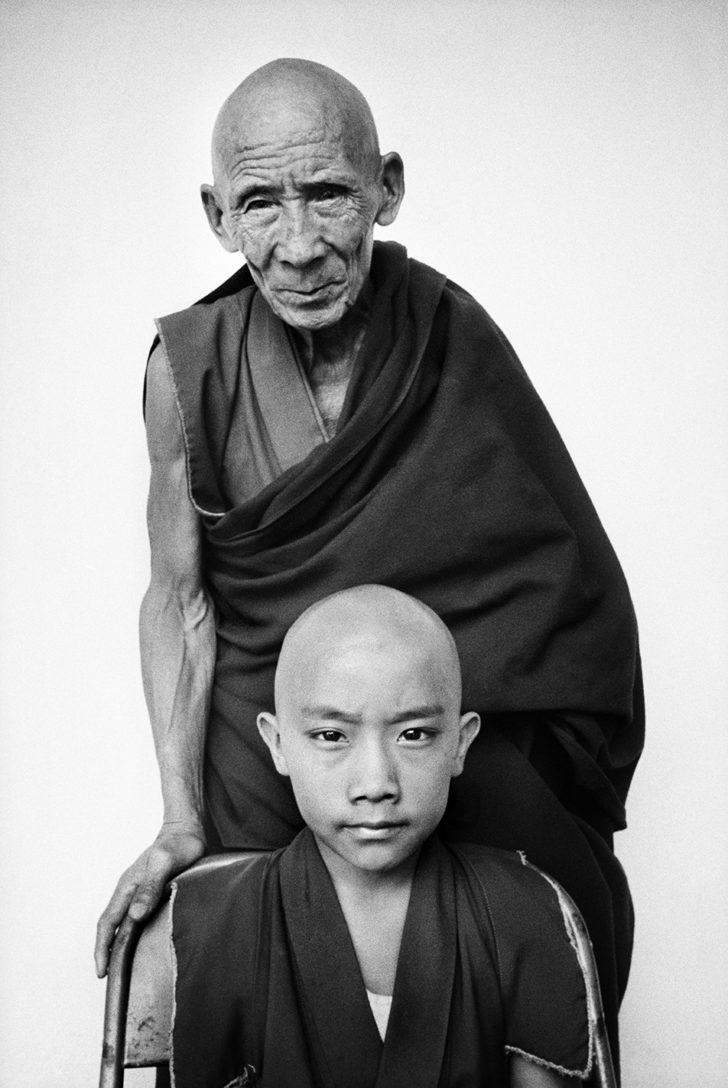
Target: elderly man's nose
(299, 239)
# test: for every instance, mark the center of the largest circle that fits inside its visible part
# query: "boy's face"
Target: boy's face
(370, 735)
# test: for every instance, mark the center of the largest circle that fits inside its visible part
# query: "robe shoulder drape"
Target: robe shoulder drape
(448, 480)
(268, 980)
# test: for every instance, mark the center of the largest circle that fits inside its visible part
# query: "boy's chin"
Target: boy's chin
(356, 852)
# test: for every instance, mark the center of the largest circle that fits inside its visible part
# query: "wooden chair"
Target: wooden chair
(140, 994)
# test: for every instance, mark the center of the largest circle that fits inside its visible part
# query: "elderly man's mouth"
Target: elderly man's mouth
(309, 292)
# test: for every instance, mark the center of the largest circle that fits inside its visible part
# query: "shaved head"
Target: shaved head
(297, 92)
(365, 618)
(368, 727)
(299, 184)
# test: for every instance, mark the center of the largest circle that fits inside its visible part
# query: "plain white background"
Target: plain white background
(567, 162)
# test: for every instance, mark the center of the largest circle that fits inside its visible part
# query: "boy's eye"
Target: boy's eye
(330, 736)
(416, 733)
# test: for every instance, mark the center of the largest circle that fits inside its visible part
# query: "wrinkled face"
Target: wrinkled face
(302, 213)
(370, 745)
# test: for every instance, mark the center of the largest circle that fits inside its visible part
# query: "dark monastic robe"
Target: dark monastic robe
(267, 977)
(448, 480)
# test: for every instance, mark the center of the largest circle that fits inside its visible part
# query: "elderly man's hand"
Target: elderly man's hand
(140, 887)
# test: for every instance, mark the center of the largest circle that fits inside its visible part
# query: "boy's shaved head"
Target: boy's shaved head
(368, 726)
(370, 615)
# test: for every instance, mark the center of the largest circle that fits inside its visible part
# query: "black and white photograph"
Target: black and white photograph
(364, 537)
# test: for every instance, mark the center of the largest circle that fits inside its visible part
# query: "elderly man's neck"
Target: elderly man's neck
(328, 356)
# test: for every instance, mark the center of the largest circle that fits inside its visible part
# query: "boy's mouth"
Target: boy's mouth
(375, 829)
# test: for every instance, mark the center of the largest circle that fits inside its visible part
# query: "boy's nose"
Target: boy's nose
(375, 778)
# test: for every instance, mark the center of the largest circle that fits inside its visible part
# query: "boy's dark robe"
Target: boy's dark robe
(267, 978)
(448, 480)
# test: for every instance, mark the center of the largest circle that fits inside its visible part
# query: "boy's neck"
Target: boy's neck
(369, 883)
(374, 905)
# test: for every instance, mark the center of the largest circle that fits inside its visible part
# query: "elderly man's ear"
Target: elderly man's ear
(392, 182)
(215, 217)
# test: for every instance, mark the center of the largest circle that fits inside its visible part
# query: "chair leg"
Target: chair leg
(117, 1002)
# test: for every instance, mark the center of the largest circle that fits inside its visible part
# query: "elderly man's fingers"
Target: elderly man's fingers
(109, 922)
(148, 895)
(136, 893)
(141, 886)
(136, 900)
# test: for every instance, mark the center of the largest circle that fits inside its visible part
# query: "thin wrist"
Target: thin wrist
(186, 822)
(182, 802)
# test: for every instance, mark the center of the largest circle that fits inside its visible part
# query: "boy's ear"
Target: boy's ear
(271, 734)
(469, 729)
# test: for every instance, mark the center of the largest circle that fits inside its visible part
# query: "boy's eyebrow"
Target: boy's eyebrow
(335, 714)
(415, 713)
(329, 714)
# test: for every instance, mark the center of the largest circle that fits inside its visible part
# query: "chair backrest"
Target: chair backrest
(603, 1074)
(140, 992)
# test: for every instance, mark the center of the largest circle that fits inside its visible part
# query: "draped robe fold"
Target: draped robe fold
(448, 480)
(267, 978)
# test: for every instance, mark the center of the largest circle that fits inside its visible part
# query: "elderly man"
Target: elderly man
(335, 414)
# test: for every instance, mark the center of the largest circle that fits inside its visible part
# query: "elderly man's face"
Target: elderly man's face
(303, 214)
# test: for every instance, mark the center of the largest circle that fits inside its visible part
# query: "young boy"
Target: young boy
(369, 954)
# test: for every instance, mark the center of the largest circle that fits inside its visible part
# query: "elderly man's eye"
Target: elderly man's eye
(259, 204)
(328, 192)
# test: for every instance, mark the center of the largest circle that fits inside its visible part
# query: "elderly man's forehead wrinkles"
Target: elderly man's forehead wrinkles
(279, 155)
(274, 124)
(260, 136)
(299, 164)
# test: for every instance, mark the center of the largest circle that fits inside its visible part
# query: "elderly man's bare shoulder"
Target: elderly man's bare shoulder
(165, 436)
(173, 522)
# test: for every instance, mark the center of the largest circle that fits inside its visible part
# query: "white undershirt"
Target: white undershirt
(380, 1006)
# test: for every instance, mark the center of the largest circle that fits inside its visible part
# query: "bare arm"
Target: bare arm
(525, 1074)
(177, 635)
